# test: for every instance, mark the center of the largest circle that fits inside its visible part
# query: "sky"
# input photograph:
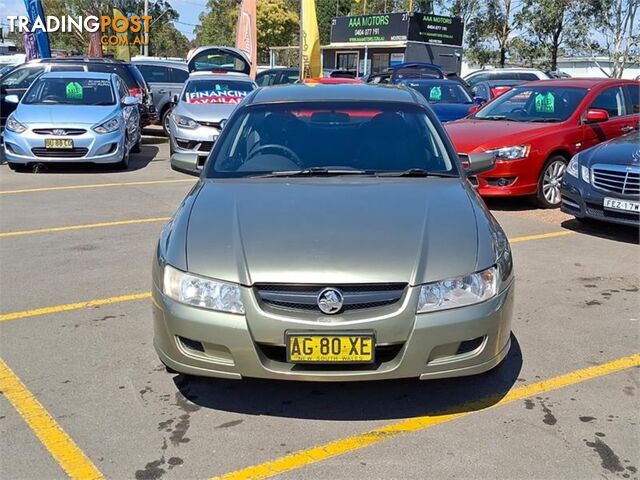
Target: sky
(189, 11)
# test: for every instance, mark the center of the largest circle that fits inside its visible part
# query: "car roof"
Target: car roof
(76, 60)
(337, 92)
(78, 74)
(575, 82)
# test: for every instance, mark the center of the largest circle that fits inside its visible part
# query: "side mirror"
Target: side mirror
(185, 163)
(594, 115)
(476, 163)
(12, 99)
(129, 101)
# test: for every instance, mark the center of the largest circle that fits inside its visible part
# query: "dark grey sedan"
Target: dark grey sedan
(332, 236)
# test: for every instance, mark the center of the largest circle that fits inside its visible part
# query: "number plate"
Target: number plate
(330, 348)
(58, 143)
(625, 205)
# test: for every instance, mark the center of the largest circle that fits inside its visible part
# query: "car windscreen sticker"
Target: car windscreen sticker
(97, 83)
(435, 93)
(73, 90)
(545, 103)
(231, 97)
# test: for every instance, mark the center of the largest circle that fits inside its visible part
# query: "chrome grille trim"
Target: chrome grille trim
(68, 131)
(621, 179)
(305, 297)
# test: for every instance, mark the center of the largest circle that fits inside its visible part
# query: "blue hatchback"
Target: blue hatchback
(448, 98)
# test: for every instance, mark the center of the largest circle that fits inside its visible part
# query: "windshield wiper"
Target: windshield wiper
(414, 172)
(312, 172)
(492, 117)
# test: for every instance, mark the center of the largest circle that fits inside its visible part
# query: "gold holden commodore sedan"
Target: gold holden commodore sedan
(332, 235)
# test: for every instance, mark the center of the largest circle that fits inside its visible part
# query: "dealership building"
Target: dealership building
(373, 43)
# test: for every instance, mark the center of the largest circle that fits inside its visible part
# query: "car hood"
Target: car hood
(61, 115)
(472, 136)
(447, 112)
(205, 112)
(333, 231)
(623, 150)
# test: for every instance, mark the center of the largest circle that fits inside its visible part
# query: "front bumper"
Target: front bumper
(582, 200)
(509, 178)
(424, 346)
(197, 141)
(29, 147)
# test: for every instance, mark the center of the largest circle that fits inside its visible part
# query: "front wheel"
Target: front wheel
(165, 121)
(124, 163)
(548, 195)
(17, 167)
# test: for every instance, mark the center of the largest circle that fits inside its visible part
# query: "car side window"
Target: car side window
(122, 89)
(611, 100)
(266, 79)
(155, 73)
(22, 77)
(526, 76)
(480, 77)
(633, 93)
(178, 76)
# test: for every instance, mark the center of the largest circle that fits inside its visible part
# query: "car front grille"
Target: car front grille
(59, 131)
(210, 124)
(59, 152)
(195, 144)
(620, 179)
(205, 147)
(305, 297)
(596, 210)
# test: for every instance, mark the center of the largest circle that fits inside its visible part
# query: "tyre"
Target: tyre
(17, 167)
(137, 148)
(548, 195)
(165, 121)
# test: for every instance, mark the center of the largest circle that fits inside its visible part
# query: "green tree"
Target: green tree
(325, 11)
(218, 23)
(494, 22)
(167, 41)
(547, 23)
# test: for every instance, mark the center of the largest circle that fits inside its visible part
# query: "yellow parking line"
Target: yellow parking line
(73, 306)
(94, 185)
(82, 227)
(61, 447)
(339, 447)
(540, 236)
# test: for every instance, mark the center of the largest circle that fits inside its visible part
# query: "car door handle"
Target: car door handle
(627, 128)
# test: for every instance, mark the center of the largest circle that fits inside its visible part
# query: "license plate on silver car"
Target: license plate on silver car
(625, 205)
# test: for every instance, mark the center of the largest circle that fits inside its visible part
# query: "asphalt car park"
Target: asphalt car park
(85, 396)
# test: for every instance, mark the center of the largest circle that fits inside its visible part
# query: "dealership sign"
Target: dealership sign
(393, 27)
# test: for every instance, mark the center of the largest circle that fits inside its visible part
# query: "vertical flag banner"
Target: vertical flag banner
(34, 11)
(29, 43)
(122, 49)
(95, 49)
(309, 41)
(246, 33)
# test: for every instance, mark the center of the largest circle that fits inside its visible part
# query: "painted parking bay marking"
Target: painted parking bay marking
(68, 228)
(145, 295)
(95, 185)
(57, 442)
(340, 447)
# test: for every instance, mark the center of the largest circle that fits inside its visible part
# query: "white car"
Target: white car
(525, 74)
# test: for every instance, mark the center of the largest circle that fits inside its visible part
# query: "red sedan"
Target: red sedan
(536, 128)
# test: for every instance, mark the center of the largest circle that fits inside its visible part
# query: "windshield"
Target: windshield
(361, 137)
(534, 104)
(70, 91)
(216, 91)
(441, 92)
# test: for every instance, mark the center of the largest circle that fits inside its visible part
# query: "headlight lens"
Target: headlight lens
(109, 126)
(14, 126)
(201, 292)
(511, 153)
(185, 122)
(458, 292)
(572, 168)
(584, 170)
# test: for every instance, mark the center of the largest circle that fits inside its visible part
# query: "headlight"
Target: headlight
(185, 122)
(201, 292)
(511, 153)
(14, 126)
(584, 170)
(572, 168)
(109, 126)
(458, 292)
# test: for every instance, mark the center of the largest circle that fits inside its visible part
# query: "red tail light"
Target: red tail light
(136, 92)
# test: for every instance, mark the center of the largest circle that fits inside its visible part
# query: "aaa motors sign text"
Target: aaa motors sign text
(113, 28)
